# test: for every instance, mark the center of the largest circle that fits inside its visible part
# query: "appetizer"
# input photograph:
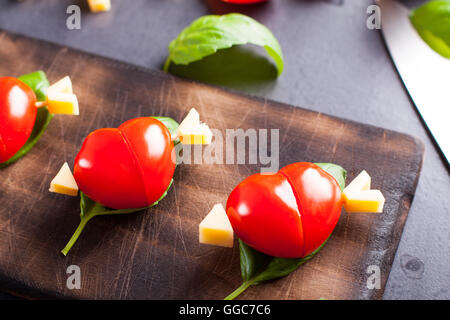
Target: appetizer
(125, 169)
(283, 219)
(20, 101)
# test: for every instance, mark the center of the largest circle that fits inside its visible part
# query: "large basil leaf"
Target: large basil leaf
(210, 33)
(38, 82)
(432, 22)
(257, 267)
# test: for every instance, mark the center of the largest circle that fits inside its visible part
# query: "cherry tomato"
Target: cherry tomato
(17, 116)
(244, 1)
(126, 167)
(288, 214)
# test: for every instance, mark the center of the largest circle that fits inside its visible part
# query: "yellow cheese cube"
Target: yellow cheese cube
(64, 182)
(99, 5)
(64, 86)
(364, 201)
(191, 131)
(216, 229)
(62, 103)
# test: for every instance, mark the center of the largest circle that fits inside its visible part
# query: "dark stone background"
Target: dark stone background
(334, 64)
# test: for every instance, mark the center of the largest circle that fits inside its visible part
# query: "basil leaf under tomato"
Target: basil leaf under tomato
(38, 82)
(257, 267)
(210, 33)
(432, 22)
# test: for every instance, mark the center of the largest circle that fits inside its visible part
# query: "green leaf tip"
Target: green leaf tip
(432, 22)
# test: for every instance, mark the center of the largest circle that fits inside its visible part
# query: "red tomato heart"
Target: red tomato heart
(17, 116)
(127, 167)
(288, 214)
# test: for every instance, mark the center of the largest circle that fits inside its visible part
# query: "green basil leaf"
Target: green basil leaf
(38, 82)
(339, 173)
(171, 124)
(252, 261)
(281, 267)
(210, 33)
(432, 22)
(257, 267)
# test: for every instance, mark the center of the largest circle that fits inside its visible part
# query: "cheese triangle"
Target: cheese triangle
(360, 183)
(64, 182)
(192, 131)
(215, 229)
(64, 86)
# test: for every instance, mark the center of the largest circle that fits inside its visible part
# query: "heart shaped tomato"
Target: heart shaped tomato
(288, 214)
(17, 116)
(126, 167)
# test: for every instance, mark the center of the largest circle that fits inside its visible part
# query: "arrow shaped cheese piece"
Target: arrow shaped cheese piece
(360, 183)
(192, 131)
(64, 182)
(358, 197)
(61, 99)
(215, 229)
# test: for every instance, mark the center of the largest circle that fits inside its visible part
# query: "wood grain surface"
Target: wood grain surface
(156, 254)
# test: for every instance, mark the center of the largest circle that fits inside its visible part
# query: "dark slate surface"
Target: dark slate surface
(334, 64)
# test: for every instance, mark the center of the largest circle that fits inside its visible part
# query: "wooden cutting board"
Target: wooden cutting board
(156, 254)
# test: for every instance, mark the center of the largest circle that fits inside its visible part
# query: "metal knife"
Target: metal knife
(425, 73)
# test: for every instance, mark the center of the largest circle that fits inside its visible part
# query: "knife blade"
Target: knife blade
(425, 73)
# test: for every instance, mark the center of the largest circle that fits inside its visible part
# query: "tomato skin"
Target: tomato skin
(244, 1)
(126, 167)
(17, 116)
(288, 214)
(261, 202)
(320, 198)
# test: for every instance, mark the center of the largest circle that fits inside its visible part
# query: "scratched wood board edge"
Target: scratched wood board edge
(23, 290)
